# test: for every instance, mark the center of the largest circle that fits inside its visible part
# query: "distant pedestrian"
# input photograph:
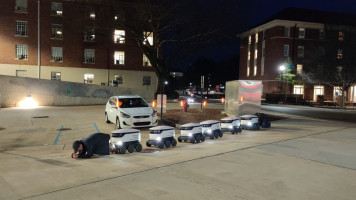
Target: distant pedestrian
(96, 143)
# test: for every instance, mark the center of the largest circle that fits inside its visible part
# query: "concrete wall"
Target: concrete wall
(59, 93)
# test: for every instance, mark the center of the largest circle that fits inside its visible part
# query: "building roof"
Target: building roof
(315, 16)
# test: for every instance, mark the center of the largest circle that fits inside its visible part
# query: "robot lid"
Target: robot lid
(161, 128)
(230, 119)
(122, 132)
(209, 122)
(190, 125)
(126, 130)
(249, 116)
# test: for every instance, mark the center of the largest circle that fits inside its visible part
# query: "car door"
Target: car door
(111, 109)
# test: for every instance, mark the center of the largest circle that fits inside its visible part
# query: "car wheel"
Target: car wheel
(240, 130)
(130, 148)
(192, 140)
(168, 143)
(148, 144)
(216, 134)
(138, 147)
(197, 138)
(202, 138)
(107, 118)
(174, 142)
(179, 139)
(122, 150)
(160, 145)
(212, 137)
(117, 124)
(220, 133)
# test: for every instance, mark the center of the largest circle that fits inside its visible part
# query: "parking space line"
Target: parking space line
(96, 127)
(59, 133)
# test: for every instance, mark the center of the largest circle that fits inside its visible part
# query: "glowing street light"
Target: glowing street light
(166, 82)
(282, 68)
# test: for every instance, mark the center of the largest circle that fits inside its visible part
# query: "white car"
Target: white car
(250, 122)
(130, 111)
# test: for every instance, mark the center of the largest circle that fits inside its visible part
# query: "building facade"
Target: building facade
(70, 41)
(295, 42)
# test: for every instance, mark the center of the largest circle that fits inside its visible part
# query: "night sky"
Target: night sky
(250, 13)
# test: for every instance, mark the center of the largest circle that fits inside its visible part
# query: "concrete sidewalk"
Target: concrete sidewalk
(297, 158)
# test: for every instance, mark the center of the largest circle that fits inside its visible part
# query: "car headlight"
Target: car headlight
(230, 127)
(190, 134)
(119, 143)
(209, 131)
(249, 123)
(190, 100)
(154, 113)
(158, 139)
(124, 115)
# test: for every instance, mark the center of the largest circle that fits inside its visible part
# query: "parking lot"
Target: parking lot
(297, 158)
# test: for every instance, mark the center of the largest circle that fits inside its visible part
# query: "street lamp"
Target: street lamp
(282, 68)
(166, 82)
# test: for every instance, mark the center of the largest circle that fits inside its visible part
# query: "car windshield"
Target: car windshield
(132, 103)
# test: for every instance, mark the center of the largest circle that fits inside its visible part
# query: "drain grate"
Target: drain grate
(64, 129)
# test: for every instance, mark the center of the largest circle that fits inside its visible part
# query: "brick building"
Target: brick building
(297, 39)
(79, 42)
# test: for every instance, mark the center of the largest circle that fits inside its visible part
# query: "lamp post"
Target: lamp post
(282, 68)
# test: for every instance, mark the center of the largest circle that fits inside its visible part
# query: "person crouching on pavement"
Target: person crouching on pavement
(96, 143)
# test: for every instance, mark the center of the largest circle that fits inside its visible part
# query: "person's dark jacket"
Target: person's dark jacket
(96, 143)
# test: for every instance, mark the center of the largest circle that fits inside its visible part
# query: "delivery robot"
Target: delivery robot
(231, 124)
(250, 122)
(162, 136)
(191, 132)
(126, 139)
(211, 129)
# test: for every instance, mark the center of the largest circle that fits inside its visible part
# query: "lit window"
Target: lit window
(248, 55)
(299, 69)
(89, 35)
(56, 76)
(249, 39)
(146, 80)
(92, 15)
(89, 56)
(21, 28)
(119, 79)
(56, 9)
(341, 36)
(286, 50)
(300, 51)
(339, 54)
(56, 54)
(301, 33)
(298, 89)
(256, 53)
(21, 51)
(119, 58)
(56, 31)
(286, 32)
(21, 6)
(318, 90)
(255, 70)
(248, 71)
(119, 36)
(148, 36)
(256, 38)
(88, 78)
(146, 61)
